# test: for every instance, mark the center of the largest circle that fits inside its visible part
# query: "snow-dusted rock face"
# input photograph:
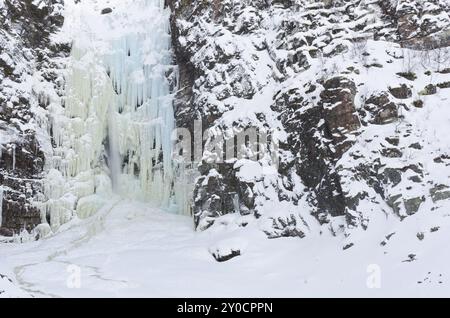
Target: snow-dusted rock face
(419, 22)
(28, 63)
(333, 83)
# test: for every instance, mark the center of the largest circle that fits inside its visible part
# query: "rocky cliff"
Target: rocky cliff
(340, 84)
(28, 63)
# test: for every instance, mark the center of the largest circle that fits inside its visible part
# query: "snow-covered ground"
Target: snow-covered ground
(132, 250)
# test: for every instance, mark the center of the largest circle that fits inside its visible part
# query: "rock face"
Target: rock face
(218, 66)
(319, 136)
(339, 113)
(301, 71)
(420, 24)
(27, 65)
(380, 109)
(401, 92)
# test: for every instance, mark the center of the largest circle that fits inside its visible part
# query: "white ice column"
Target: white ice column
(117, 119)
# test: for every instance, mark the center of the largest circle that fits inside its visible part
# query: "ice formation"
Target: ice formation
(1, 205)
(14, 156)
(112, 136)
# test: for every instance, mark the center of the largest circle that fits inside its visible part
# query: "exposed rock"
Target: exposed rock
(107, 10)
(411, 258)
(395, 141)
(381, 109)
(226, 257)
(287, 227)
(31, 24)
(408, 75)
(315, 161)
(430, 89)
(416, 145)
(393, 176)
(407, 13)
(6, 232)
(434, 41)
(338, 102)
(418, 103)
(394, 202)
(420, 24)
(338, 49)
(401, 92)
(441, 159)
(434, 229)
(439, 193)
(444, 85)
(415, 179)
(318, 119)
(413, 205)
(391, 153)
(347, 246)
(215, 194)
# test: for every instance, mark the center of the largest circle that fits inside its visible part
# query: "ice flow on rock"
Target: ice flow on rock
(112, 136)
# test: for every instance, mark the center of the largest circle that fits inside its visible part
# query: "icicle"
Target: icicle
(1, 205)
(14, 157)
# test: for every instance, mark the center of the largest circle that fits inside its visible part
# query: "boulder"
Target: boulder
(440, 192)
(401, 92)
(412, 205)
(382, 109)
(430, 89)
(107, 11)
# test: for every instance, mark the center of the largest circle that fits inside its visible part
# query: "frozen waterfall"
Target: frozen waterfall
(112, 135)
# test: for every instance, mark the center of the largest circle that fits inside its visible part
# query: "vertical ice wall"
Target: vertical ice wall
(112, 135)
(1, 205)
(140, 117)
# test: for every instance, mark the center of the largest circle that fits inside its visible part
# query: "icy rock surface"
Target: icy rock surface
(113, 133)
(30, 66)
(342, 85)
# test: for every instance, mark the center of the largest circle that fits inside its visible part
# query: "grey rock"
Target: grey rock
(439, 193)
(401, 92)
(31, 24)
(430, 89)
(223, 257)
(413, 205)
(382, 109)
(393, 176)
(395, 141)
(416, 145)
(391, 153)
(394, 202)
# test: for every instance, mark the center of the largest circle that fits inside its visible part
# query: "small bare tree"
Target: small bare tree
(441, 57)
(410, 60)
(359, 50)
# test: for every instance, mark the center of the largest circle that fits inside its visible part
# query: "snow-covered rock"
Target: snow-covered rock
(29, 78)
(338, 89)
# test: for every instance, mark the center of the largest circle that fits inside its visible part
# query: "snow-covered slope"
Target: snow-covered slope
(133, 250)
(9, 290)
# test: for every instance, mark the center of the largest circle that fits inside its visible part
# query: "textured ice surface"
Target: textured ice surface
(113, 134)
